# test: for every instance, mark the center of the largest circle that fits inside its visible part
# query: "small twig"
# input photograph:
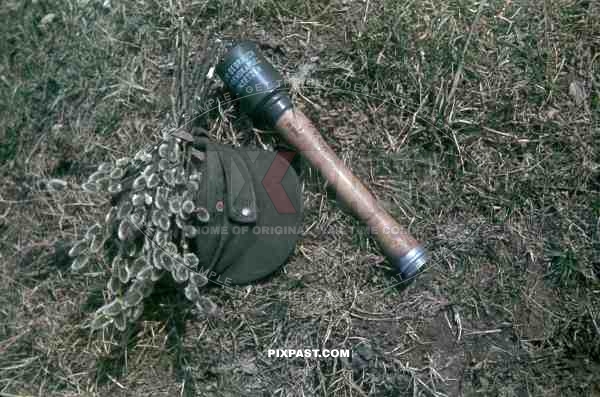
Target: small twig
(5, 215)
(357, 315)
(412, 372)
(364, 21)
(545, 309)
(24, 363)
(403, 352)
(116, 382)
(461, 65)
(458, 322)
(519, 140)
(594, 321)
(486, 332)
(357, 388)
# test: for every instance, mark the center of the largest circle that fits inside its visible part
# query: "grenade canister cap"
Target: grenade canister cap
(254, 81)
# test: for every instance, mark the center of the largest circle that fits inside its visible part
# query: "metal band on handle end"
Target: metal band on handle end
(411, 263)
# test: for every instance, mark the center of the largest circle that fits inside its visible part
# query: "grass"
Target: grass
(470, 132)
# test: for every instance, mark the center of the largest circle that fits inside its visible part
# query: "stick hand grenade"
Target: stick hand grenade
(259, 87)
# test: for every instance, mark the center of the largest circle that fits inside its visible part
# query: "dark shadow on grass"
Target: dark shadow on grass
(166, 304)
(94, 299)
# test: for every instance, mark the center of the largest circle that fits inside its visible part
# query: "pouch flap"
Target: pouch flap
(240, 199)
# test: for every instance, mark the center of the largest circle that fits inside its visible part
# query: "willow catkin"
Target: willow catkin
(80, 262)
(116, 262)
(147, 246)
(125, 208)
(96, 244)
(145, 273)
(205, 305)
(191, 292)
(111, 215)
(174, 204)
(154, 216)
(192, 186)
(153, 181)
(113, 285)
(147, 287)
(187, 207)
(139, 155)
(114, 187)
(139, 183)
(137, 199)
(202, 215)
(148, 170)
(123, 272)
(90, 187)
(138, 218)
(117, 173)
(105, 167)
(163, 150)
(189, 231)
(180, 176)
(169, 176)
(198, 279)
(97, 175)
(78, 248)
(161, 198)
(143, 156)
(174, 155)
(157, 261)
(148, 256)
(166, 261)
(103, 183)
(136, 312)
(171, 248)
(125, 231)
(177, 273)
(148, 199)
(120, 321)
(113, 308)
(180, 222)
(122, 162)
(180, 273)
(164, 165)
(101, 321)
(132, 248)
(153, 190)
(133, 296)
(161, 238)
(137, 265)
(164, 222)
(196, 177)
(93, 231)
(191, 260)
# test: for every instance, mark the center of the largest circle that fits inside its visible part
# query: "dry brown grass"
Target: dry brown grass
(479, 130)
